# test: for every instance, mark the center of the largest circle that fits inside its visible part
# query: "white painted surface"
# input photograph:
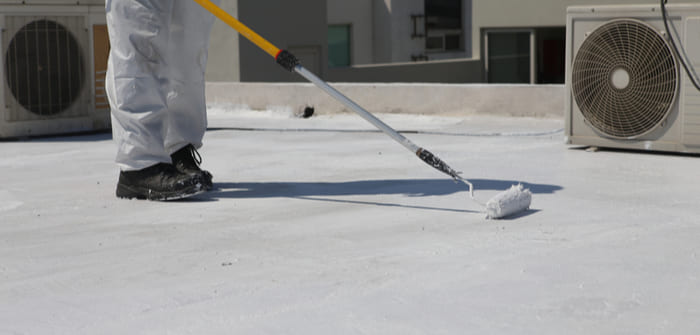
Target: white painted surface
(338, 230)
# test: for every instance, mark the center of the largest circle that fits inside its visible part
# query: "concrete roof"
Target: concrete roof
(322, 226)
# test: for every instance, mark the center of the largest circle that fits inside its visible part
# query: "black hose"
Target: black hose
(693, 79)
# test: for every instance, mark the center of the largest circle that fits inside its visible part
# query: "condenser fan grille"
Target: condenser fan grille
(624, 78)
(44, 67)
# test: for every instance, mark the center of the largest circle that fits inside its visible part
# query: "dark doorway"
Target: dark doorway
(551, 54)
(524, 55)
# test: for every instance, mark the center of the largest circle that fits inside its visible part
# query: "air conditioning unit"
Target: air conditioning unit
(54, 61)
(626, 86)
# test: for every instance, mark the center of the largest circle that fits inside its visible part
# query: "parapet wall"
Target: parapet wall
(545, 101)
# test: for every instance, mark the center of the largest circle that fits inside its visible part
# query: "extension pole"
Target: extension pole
(291, 63)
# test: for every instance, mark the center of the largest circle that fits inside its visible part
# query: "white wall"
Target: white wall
(455, 99)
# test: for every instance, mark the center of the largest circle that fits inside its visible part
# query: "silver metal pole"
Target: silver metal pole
(357, 109)
(424, 155)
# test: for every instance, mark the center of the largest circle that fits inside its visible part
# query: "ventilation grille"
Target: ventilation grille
(45, 67)
(624, 78)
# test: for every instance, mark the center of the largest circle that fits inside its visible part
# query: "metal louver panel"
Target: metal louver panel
(45, 67)
(624, 79)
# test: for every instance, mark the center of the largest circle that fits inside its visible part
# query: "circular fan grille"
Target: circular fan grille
(44, 67)
(624, 78)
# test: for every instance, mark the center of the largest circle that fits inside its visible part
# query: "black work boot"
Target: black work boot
(187, 160)
(160, 182)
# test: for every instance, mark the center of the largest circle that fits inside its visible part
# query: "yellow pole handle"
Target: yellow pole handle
(240, 27)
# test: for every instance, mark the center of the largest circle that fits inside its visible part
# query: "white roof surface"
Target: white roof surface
(322, 226)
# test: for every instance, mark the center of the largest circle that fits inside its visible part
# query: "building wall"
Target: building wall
(396, 25)
(530, 13)
(446, 71)
(382, 30)
(358, 14)
(298, 26)
(224, 61)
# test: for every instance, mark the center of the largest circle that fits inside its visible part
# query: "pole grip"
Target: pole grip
(288, 61)
(437, 163)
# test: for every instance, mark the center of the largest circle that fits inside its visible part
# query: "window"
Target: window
(443, 22)
(509, 56)
(535, 55)
(339, 45)
(418, 26)
(443, 14)
(434, 43)
(452, 41)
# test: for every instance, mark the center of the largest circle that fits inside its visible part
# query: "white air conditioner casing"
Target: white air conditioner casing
(53, 65)
(626, 87)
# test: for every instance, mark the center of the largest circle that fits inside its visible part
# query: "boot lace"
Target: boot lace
(196, 157)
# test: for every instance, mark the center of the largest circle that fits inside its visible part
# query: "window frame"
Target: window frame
(349, 27)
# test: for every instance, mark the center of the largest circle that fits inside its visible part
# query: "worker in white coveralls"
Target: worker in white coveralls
(155, 84)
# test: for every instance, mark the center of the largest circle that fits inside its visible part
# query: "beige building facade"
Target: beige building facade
(299, 26)
(451, 41)
(533, 33)
(393, 31)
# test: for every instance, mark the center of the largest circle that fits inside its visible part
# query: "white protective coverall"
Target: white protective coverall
(155, 78)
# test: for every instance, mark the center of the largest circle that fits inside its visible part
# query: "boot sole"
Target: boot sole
(126, 192)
